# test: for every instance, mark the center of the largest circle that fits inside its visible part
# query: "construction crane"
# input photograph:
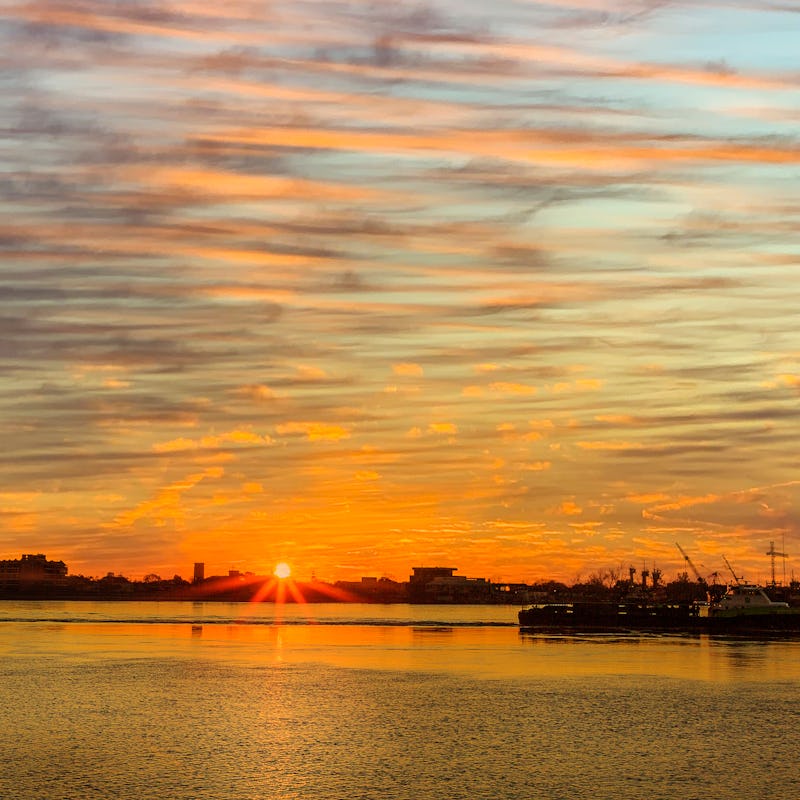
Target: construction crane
(714, 589)
(700, 578)
(727, 564)
(772, 552)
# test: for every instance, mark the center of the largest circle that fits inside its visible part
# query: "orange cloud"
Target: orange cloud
(367, 475)
(314, 431)
(235, 437)
(306, 372)
(443, 427)
(537, 466)
(531, 146)
(506, 387)
(220, 184)
(646, 499)
(581, 385)
(167, 504)
(408, 370)
(256, 391)
(616, 419)
(687, 502)
(610, 446)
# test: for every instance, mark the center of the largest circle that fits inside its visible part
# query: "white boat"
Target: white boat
(746, 599)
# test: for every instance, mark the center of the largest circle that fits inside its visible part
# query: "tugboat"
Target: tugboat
(746, 599)
(746, 609)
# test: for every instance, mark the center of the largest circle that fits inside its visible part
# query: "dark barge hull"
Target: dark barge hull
(642, 617)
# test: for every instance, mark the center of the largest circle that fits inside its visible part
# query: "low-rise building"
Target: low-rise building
(440, 585)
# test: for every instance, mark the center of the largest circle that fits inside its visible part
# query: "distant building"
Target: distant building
(199, 572)
(420, 589)
(424, 575)
(439, 585)
(374, 590)
(31, 569)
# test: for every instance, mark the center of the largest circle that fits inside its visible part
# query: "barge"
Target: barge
(743, 609)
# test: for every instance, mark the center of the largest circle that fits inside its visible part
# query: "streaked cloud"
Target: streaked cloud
(444, 279)
(214, 441)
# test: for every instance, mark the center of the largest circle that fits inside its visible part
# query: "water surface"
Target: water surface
(218, 700)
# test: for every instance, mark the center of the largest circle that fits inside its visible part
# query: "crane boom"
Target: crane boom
(700, 578)
(735, 577)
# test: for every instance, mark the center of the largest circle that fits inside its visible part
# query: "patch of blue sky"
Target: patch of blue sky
(609, 214)
(743, 39)
(762, 183)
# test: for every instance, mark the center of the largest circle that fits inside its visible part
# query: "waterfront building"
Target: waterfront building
(31, 569)
(440, 585)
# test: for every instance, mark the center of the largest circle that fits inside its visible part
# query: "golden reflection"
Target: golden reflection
(475, 652)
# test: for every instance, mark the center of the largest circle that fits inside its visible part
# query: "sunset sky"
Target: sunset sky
(363, 285)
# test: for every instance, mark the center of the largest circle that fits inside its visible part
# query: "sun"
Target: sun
(282, 570)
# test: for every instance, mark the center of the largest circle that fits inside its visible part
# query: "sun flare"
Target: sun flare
(282, 570)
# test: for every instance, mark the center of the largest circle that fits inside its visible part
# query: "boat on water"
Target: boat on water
(747, 599)
(744, 608)
(608, 616)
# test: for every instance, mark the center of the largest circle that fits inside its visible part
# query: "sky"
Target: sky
(362, 285)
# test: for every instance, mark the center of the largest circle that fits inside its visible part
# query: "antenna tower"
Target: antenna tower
(773, 553)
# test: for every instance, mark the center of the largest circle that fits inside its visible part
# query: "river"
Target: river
(182, 701)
